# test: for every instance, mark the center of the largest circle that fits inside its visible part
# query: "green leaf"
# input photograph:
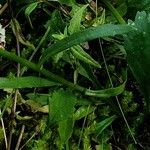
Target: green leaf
(1, 135)
(25, 82)
(75, 22)
(65, 130)
(83, 36)
(18, 33)
(98, 93)
(62, 105)
(80, 54)
(106, 93)
(29, 10)
(86, 71)
(55, 23)
(39, 98)
(83, 111)
(122, 9)
(137, 46)
(101, 126)
(37, 107)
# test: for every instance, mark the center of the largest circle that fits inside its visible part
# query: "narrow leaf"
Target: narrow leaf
(25, 82)
(101, 126)
(83, 111)
(75, 22)
(29, 10)
(100, 93)
(80, 54)
(83, 36)
(106, 92)
(18, 33)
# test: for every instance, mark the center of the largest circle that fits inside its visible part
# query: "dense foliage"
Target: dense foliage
(75, 74)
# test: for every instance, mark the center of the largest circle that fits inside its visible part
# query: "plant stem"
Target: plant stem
(43, 71)
(4, 131)
(119, 105)
(3, 8)
(13, 109)
(20, 137)
(28, 141)
(114, 12)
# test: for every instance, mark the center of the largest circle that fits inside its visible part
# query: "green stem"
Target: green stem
(43, 71)
(36, 67)
(114, 12)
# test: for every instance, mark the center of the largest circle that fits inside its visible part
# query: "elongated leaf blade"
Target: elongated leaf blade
(80, 54)
(83, 111)
(98, 93)
(106, 93)
(137, 46)
(75, 22)
(31, 8)
(101, 126)
(25, 82)
(83, 36)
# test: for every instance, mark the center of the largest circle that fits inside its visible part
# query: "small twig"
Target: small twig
(9, 140)
(20, 137)
(4, 131)
(117, 100)
(28, 140)
(37, 48)
(41, 42)
(18, 74)
(3, 8)
(12, 119)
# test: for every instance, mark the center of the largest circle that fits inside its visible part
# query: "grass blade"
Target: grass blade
(83, 36)
(25, 82)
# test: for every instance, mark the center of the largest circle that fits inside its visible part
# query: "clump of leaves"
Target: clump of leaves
(65, 114)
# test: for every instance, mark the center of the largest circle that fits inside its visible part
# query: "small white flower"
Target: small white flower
(2, 37)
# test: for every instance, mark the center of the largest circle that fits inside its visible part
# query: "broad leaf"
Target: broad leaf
(83, 36)
(137, 46)
(62, 105)
(25, 82)
(65, 130)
